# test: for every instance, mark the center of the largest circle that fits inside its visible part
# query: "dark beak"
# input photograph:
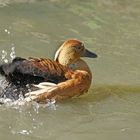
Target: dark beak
(89, 54)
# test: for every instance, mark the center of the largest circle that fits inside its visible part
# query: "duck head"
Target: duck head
(71, 51)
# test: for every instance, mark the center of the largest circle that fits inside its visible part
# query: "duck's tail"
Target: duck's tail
(7, 68)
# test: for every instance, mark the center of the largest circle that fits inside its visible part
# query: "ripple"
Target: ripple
(4, 3)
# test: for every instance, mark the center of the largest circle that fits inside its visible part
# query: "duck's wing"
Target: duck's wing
(78, 84)
(33, 71)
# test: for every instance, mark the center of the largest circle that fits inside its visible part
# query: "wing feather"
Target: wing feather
(34, 70)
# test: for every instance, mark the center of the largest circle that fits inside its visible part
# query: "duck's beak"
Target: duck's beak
(89, 54)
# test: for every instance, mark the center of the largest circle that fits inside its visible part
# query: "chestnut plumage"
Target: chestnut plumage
(71, 74)
(33, 71)
(21, 73)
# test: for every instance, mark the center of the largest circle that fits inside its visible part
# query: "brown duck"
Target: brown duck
(67, 76)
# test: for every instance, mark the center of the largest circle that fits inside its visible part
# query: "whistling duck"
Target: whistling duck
(67, 76)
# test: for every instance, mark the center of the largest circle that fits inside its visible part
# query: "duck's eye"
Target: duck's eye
(77, 47)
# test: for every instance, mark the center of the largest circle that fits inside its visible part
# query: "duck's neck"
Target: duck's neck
(66, 61)
(80, 65)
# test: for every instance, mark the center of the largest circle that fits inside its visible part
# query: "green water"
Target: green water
(111, 29)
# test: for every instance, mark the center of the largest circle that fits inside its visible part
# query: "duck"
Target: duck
(43, 79)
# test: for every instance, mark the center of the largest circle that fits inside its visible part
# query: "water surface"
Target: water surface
(111, 29)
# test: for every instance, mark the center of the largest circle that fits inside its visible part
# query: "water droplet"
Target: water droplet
(24, 132)
(6, 30)
(12, 54)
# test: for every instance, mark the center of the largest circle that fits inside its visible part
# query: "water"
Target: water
(111, 29)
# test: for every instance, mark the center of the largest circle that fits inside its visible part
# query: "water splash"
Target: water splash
(4, 56)
(8, 57)
(50, 104)
(21, 103)
(13, 53)
(22, 132)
